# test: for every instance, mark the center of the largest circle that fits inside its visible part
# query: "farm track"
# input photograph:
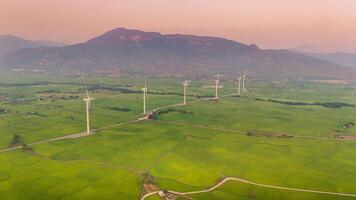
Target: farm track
(148, 195)
(222, 182)
(72, 136)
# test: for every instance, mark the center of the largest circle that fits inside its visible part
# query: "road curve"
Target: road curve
(261, 185)
(148, 195)
(222, 182)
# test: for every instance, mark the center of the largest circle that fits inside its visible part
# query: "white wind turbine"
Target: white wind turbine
(185, 84)
(243, 82)
(87, 107)
(238, 86)
(217, 86)
(144, 91)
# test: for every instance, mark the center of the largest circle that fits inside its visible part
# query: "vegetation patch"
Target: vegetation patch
(126, 90)
(298, 103)
(48, 91)
(113, 89)
(169, 110)
(348, 125)
(118, 109)
(334, 104)
(56, 97)
(16, 141)
(36, 113)
(4, 110)
(268, 134)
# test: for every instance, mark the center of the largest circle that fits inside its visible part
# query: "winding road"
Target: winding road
(222, 182)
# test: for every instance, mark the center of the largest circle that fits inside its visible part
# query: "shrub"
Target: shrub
(16, 141)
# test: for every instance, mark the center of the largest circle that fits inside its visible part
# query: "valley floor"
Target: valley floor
(239, 148)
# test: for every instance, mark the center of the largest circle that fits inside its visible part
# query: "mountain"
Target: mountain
(49, 43)
(341, 58)
(10, 43)
(133, 51)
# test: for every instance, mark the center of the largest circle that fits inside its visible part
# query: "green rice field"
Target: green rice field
(291, 134)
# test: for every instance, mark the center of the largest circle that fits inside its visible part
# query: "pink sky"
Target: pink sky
(320, 25)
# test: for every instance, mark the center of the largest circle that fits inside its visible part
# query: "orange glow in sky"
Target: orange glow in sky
(318, 25)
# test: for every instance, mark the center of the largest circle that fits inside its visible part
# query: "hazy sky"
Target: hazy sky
(320, 25)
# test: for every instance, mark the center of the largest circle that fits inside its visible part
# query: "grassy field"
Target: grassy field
(248, 115)
(210, 141)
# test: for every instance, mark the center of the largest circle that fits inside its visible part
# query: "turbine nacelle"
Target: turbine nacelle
(88, 99)
(185, 83)
(218, 76)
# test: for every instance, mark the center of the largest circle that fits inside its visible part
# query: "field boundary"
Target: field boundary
(242, 132)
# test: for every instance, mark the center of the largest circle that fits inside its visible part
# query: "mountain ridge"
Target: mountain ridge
(10, 43)
(134, 51)
(340, 58)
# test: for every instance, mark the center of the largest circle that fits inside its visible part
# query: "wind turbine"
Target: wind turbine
(238, 86)
(144, 91)
(217, 86)
(87, 107)
(243, 82)
(185, 84)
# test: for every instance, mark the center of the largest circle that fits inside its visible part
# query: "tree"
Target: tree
(16, 140)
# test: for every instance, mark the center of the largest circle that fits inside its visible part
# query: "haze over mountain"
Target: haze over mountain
(134, 51)
(50, 43)
(341, 58)
(9, 43)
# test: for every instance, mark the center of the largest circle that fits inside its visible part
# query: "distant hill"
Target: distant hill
(50, 43)
(10, 43)
(341, 58)
(134, 51)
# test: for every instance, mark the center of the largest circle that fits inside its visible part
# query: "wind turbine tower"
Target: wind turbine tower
(243, 82)
(185, 88)
(217, 86)
(87, 101)
(144, 91)
(238, 86)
